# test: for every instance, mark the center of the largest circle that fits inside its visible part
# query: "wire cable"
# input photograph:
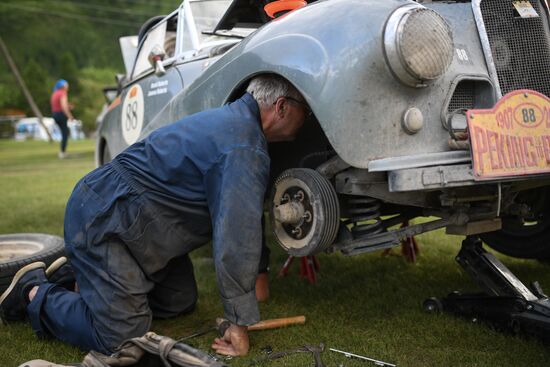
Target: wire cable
(91, 6)
(175, 4)
(73, 16)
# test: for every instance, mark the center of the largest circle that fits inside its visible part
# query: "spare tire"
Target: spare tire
(20, 249)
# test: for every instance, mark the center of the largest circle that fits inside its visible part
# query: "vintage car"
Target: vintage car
(434, 109)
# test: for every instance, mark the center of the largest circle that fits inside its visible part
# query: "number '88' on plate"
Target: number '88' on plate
(132, 115)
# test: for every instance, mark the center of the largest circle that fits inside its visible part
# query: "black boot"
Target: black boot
(13, 302)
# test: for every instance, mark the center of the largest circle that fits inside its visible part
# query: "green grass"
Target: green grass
(368, 304)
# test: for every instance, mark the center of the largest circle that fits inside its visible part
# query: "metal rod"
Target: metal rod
(393, 238)
(375, 361)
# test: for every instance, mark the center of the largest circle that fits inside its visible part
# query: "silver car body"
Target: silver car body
(336, 54)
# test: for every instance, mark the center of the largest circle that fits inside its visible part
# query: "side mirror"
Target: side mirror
(156, 56)
(120, 80)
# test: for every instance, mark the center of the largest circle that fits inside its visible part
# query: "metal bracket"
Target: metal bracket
(384, 240)
(431, 178)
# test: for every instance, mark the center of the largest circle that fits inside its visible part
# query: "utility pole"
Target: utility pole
(23, 86)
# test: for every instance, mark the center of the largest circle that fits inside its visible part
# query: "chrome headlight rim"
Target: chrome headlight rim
(393, 33)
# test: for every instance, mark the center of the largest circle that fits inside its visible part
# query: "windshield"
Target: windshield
(207, 14)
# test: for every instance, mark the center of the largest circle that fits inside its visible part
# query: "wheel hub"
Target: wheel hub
(295, 212)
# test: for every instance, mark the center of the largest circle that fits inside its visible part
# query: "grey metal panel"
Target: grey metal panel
(360, 182)
(431, 178)
(419, 160)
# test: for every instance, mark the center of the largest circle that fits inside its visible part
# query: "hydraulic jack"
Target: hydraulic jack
(506, 302)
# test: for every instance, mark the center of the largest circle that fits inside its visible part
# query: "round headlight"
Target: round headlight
(418, 44)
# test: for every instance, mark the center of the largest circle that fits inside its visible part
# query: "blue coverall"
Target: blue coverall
(129, 226)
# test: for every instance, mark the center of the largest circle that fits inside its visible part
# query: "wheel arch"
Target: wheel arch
(304, 64)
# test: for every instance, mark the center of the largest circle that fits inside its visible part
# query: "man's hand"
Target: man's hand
(234, 341)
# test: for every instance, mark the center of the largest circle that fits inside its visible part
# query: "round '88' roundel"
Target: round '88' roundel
(132, 115)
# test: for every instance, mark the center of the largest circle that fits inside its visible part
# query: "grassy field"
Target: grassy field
(368, 304)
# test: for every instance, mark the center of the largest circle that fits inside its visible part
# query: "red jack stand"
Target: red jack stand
(309, 266)
(409, 247)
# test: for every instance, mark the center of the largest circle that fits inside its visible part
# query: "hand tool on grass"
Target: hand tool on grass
(375, 361)
(222, 325)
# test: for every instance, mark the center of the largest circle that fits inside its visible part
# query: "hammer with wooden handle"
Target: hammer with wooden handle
(222, 325)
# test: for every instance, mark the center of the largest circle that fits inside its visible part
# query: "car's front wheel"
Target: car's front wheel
(526, 237)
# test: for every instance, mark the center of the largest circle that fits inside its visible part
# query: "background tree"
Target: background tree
(75, 40)
(39, 84)
(69, 71)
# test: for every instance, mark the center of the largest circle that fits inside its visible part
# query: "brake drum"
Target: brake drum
(304, 212)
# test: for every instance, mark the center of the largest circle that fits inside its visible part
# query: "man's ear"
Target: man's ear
(280, 107)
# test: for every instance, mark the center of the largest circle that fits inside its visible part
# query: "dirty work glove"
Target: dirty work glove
(234, 342)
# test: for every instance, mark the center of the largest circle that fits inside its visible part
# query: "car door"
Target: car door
(148, 91)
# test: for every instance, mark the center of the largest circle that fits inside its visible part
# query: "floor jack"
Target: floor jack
(506, 303)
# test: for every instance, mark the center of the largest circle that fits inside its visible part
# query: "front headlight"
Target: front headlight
(419, 45)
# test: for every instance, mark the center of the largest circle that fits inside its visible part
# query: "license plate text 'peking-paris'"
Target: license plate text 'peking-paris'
(513, 138)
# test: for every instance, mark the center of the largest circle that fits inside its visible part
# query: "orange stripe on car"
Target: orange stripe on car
(115, 103)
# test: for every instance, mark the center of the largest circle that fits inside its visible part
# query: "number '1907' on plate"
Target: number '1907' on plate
(513, 138)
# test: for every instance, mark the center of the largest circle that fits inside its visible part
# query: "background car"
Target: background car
(30, 128)
(390, 83)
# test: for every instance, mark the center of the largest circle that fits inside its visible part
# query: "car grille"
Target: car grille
(520, 46)
(463, 97)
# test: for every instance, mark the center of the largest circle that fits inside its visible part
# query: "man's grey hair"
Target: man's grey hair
(267, 88)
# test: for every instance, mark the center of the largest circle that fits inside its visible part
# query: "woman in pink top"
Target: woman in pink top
(61, 111)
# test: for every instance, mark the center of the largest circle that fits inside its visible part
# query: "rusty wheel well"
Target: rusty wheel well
(310, 148)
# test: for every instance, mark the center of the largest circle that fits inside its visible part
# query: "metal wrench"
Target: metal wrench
(375, 361)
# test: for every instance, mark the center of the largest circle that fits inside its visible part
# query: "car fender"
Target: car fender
(304, 62)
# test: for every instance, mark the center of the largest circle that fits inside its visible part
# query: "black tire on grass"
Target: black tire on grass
(20, 249)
